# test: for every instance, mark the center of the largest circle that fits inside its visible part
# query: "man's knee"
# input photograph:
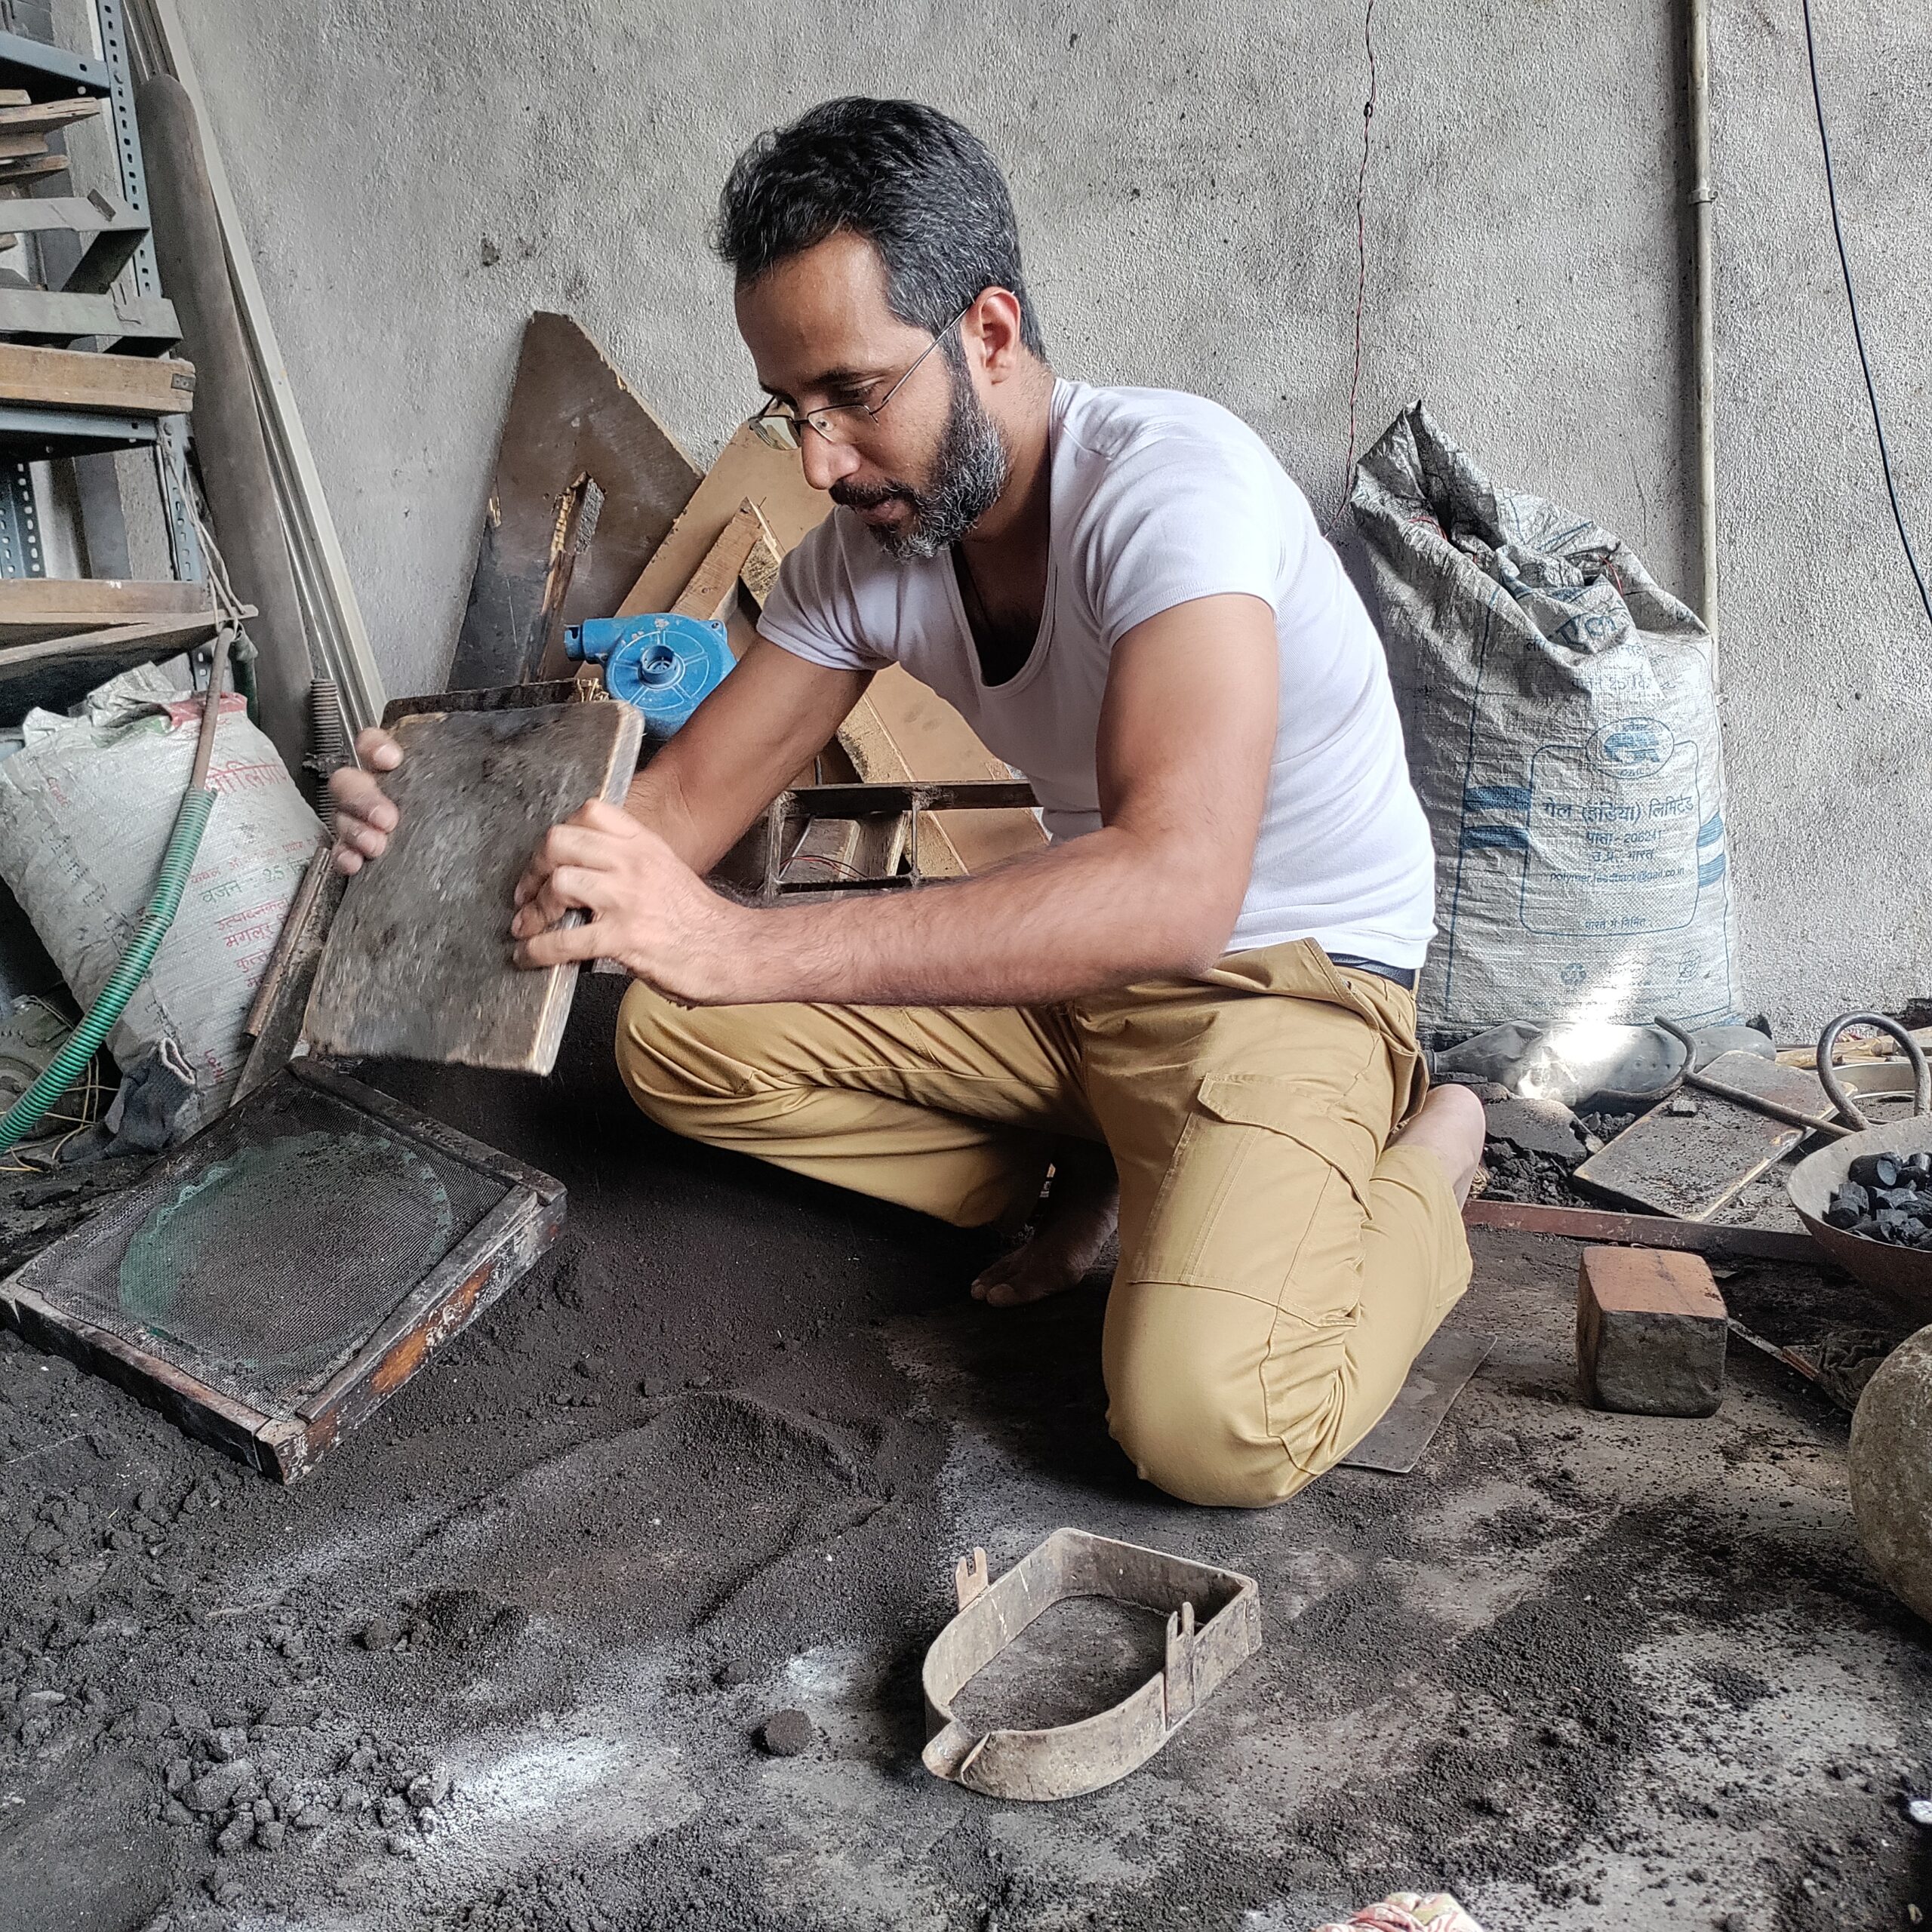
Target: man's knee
(1188, 1402)
(679, 1061)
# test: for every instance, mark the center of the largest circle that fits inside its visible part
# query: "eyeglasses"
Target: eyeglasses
(840, 423)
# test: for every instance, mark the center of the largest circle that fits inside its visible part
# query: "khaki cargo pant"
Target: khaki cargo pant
(1280, 1265)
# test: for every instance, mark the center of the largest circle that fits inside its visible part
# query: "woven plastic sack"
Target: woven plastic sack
(1561, 712)
(87, 805)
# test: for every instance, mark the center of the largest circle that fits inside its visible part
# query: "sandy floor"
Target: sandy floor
(715, 1460)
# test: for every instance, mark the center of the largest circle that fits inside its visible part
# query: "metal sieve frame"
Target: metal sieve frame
(287, 1443)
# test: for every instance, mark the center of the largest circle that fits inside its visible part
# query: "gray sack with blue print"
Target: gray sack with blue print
(1560, 712)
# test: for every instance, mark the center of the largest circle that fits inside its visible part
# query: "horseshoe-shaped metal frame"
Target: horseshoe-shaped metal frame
(1213, 1626)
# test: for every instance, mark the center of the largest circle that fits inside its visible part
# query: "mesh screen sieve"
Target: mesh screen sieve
(303, 1224)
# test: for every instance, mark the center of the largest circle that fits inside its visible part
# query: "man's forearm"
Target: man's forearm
(704, 788)
(1106, 910)
(700, 837)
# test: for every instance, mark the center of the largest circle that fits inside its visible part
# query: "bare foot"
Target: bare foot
(1082, 1209)
(1449, 1124)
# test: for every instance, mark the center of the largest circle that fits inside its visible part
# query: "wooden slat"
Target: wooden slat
(74, 379)
(133, 643)
(28, 167)
(42, 116)
(712, 592)
(33, 609)
(15, 145)
(274, 1022)
(748, 470)
(60, 672)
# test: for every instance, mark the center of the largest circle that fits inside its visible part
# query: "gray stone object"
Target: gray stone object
(1536, 1127)
(1891, 1471)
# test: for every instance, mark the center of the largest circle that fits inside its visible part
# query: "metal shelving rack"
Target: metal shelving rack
(27, 433)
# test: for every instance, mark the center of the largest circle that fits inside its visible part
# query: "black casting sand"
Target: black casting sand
(507, 1660)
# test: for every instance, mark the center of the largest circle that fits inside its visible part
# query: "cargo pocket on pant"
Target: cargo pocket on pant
(1264, 1196)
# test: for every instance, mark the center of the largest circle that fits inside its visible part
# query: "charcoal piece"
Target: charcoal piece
(1851, 1195)
(1876, 1170)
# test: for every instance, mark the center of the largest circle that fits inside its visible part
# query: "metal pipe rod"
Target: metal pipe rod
(197, 775)
(1703, 310)
(228, 432)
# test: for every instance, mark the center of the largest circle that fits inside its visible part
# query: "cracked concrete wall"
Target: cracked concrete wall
(1185, 179)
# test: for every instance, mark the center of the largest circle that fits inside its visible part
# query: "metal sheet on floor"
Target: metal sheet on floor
(1395, 1444)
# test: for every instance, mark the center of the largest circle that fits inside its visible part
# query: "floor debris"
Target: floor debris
(1658, 1654)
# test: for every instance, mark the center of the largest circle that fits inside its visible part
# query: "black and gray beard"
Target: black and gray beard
(970, 470)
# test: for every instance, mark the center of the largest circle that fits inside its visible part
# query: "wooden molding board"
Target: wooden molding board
(571, 417)
(417, 965)
(76, 379)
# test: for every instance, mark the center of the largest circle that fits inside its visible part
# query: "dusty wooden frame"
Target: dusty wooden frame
(500, 1249)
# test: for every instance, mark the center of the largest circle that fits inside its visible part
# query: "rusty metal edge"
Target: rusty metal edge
(510, 1235)
(1534, 1217)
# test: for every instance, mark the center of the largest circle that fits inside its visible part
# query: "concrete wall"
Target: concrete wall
(1185, 177)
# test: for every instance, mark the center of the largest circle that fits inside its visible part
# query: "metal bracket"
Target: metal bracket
(1069, 1760)
(969, 1579)
(793, 812)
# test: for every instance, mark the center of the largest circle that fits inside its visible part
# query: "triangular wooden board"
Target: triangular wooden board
(571, 415)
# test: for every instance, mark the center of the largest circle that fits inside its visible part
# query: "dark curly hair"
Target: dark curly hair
(923, 190)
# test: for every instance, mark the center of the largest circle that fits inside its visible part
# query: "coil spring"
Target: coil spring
(328, 740)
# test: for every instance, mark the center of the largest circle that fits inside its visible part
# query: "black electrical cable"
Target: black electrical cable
(1857, 328)
(1361, 246)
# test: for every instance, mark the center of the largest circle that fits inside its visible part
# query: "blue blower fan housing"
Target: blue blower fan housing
(664, 665)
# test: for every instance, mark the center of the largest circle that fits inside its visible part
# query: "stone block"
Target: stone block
(1650, 1332)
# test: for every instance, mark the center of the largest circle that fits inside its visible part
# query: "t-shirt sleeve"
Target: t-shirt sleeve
(1181, 515)
(813, 609)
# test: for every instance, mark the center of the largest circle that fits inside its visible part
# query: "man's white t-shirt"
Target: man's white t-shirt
(1158, 498)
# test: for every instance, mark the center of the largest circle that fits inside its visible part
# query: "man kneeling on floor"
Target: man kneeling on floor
(1195, 1004)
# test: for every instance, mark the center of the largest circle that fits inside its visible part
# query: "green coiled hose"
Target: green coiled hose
(178, 862)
